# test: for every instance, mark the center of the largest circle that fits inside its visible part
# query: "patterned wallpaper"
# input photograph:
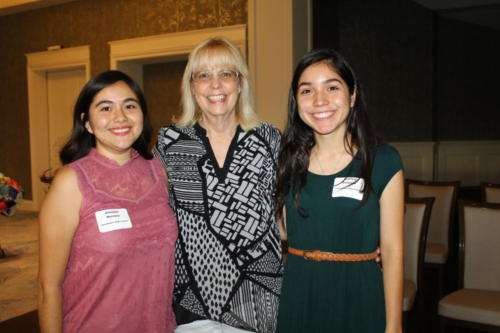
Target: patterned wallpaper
(85, 22)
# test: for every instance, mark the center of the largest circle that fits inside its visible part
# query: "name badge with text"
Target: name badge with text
(113, 219)
(348, 187)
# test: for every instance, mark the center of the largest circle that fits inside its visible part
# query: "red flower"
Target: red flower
(3, 206)
(12, 183)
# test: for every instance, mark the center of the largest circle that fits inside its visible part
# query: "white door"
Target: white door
(63, 88)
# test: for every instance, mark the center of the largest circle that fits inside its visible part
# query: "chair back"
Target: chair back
(490, 192)
(445, 194)
(479, 245)
(417, 216)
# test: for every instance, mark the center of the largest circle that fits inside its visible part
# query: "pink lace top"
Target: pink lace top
(119, 276)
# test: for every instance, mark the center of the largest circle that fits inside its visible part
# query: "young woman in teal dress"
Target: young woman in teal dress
(341, 193)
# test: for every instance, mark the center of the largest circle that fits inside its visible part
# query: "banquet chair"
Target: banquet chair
(416, 222)
(490, 192)
(476, 304)
(439, 233)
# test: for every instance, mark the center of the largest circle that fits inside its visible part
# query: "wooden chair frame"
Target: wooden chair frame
(423, 239)
(421, 254)
(451, 225)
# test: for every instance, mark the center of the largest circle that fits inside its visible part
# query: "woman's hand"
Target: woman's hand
(379, 257)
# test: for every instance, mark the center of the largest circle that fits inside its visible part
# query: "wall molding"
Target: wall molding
(418, 159)
(129, 55)
(471, 162)
(172, 44)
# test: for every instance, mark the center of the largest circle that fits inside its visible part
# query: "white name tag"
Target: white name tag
(348, 187)
(113, 219)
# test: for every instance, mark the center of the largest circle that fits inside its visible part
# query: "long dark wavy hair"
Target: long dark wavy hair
(298, 138)
(81, 141)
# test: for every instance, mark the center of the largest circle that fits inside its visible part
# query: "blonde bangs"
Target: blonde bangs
(217, 56)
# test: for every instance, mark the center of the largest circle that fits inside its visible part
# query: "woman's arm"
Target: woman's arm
(391, 244)
(58, 220)
(282, 226)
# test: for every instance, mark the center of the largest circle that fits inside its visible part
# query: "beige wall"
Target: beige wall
(86, 22)
(278, 35)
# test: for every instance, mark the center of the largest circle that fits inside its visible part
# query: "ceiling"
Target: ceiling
(480, 12)
(454, 4)
(14, 6)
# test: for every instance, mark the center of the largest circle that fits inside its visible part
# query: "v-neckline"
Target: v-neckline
(221, 172)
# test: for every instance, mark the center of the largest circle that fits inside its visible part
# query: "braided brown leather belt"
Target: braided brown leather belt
(329, 256)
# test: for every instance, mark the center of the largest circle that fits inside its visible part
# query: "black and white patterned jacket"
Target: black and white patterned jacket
(228, 254)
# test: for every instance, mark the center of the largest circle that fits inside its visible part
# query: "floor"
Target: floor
(19, 267)
(18, 288)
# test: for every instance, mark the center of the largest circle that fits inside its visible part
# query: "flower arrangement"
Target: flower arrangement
(11, 194)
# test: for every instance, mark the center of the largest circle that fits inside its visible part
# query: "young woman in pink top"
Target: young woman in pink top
(107, 233)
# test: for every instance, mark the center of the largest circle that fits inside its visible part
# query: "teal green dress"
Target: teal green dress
(329, 296)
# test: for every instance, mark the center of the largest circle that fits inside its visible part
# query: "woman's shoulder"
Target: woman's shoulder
(65, 179)
(386, 164)
(386, 156)
(166, 130)
(269, 132)
(66, 172)
(155, 163)
(386, 150)
(171, 133)
(170, 136)
(266, 127)
(270, 136)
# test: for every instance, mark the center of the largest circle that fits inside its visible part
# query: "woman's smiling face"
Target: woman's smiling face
(324, 100)
(218, 92)
(115, 119)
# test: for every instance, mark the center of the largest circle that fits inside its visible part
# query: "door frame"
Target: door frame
(38, 64)
(130, 55)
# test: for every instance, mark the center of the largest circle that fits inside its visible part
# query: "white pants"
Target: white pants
(207, 326)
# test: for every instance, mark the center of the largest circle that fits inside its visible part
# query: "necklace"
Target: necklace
(319, 163)
(334, 166)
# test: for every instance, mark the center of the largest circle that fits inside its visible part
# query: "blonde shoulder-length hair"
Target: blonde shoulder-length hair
(216, 52)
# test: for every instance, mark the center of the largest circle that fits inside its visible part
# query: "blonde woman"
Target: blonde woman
(221, 165)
